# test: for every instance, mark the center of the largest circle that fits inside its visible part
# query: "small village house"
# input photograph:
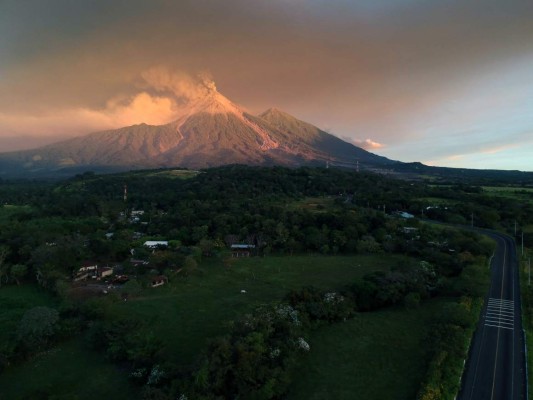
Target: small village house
(154, 244)
(159, 280)
(241, 250)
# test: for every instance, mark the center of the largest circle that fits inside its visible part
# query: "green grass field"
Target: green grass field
(313, 204)
(375, 356)
(184, 314)
(175, 173)
(509, 189)
(434, 201)
(7, 210)
(189, 311)
(519, 193)
(68, 371)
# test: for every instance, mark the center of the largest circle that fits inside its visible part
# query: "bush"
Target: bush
(412, 301)
(318, 305)
(37, 328)
(254, 360)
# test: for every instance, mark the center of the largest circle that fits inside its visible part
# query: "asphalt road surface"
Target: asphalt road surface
(496, 366)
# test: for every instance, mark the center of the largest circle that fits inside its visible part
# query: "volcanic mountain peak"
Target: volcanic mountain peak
(210, 102)
(209, 130)
(213, 105)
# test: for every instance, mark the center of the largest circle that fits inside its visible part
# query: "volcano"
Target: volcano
(208, 131)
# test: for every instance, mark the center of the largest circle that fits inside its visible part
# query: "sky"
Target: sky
(443, 82)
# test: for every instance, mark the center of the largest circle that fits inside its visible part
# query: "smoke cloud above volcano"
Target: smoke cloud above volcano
(161, 94)
(182, 86)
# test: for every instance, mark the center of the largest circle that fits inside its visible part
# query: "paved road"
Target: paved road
(496, 367)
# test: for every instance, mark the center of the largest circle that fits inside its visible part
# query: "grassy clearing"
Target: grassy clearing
(68, 371)
(7, 210)
(508, 189)
(518, 193)
(176, 173)
(189, 311)
(15, 301)
(317, 204)
(434, 201)
(377, 355)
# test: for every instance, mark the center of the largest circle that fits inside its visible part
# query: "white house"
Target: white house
(154, 244)
(88, 266)
(241, 250)
(404, 214)
(106, 271)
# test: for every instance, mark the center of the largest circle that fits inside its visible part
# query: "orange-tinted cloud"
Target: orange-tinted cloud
(367, 144)
(142, 107)
(164, 91)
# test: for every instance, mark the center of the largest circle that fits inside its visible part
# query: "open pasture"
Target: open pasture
(189, 311)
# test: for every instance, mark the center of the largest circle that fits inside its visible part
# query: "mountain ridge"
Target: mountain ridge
(208, 131)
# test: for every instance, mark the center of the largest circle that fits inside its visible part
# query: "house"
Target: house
(241, 250)
(87, 270)
(105, 271)
(159, 280)
(136, 213)
(403, 214)
(88, 266)
(154, 244)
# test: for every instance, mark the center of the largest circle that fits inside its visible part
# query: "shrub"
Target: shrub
(37, 327)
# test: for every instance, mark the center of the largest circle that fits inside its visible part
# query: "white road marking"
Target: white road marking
(498, 326)
(500, 314)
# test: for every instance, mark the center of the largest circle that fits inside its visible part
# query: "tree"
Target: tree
(207, 247)
(190, 264)
(368, 244)
(37, 327)
(18, 272)
(4, 252)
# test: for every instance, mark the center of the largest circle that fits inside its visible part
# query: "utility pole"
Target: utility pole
(472, 222)
(529, 273)
(515, 228)
(522, 242)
